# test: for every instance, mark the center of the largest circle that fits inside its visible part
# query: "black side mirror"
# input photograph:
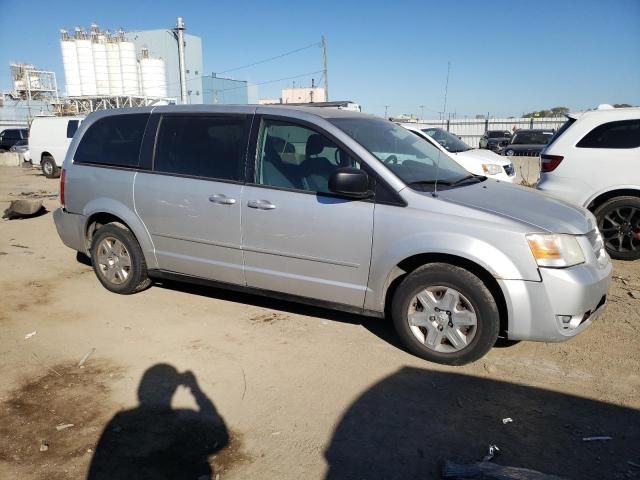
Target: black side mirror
(351, 182)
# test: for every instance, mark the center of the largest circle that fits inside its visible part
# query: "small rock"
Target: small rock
(64, 426)
(29, 335)
(44, 447)
(507, 420)
(634, 294)
(23, 209)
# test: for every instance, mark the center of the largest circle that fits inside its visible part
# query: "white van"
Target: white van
(49, 139)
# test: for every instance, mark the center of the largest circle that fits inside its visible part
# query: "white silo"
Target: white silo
(129, 68)
(101, 65)
(70, 64)
(113, 63)
(153, 77)
(85, 64)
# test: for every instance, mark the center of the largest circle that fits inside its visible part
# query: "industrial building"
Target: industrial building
(162, 44)
(224, 90)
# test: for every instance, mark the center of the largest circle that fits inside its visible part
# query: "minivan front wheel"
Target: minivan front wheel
(445, 314)
(619, 223)
(49, 167)
(118, 261)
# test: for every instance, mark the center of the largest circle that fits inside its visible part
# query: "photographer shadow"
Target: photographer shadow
(154, 441)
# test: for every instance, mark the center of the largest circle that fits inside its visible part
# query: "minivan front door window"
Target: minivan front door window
(296, 157)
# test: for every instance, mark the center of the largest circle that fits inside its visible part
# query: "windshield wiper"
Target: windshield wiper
(429, 182)
(466, 178)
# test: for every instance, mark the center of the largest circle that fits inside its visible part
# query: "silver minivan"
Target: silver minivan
(334, 208)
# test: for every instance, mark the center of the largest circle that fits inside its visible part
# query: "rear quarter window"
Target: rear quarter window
(114, 140)
(620, 134)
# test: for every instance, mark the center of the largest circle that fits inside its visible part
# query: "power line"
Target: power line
(316, 44)
(270, 81)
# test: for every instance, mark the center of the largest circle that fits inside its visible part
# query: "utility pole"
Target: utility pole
(386, 109)
(446, 90)
(324, 69)
(421, 112)
(179, 31)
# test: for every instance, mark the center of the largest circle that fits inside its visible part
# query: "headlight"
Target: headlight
(491, 168)
(555, 250)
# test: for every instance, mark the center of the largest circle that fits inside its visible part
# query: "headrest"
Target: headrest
(316, 143)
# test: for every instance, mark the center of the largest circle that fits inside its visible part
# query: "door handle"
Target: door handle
(222, 199)
(261, 204)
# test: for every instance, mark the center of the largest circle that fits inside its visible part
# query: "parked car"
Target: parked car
(283, 201)
(22, 147)
(528, 142)
(495, 140)
(49, 140)
(10, 136)
(593, 161)
(478, 162)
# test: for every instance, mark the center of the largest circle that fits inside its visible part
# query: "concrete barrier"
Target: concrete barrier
(527, 170)
(10, 159)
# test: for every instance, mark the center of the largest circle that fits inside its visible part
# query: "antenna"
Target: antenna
(444, 112)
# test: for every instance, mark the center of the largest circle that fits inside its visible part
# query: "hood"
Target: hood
(523, 204)
(486, 156)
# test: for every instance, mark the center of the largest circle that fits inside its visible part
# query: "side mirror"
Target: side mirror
(351, 182)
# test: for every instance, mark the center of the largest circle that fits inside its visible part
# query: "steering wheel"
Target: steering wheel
(391, 160)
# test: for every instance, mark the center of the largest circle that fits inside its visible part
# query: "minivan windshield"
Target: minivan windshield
(413, 159)
(449, 141)
(498, 134)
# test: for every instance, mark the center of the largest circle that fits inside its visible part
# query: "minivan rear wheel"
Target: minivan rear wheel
(619, 223)
(445, 314)
(118, 261)
(49, 167)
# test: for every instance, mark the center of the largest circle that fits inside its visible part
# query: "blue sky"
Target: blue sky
(507, 57)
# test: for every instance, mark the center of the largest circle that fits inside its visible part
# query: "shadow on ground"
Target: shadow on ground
(154, 441)
(406, 425)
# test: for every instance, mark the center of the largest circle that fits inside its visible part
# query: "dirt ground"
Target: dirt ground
(202, 383)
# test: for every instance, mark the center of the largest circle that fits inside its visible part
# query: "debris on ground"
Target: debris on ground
(493, 451)
(491, 471)
(507, 420)
(29, 335)
(84, 359)
(64, 426)
(634, 294)
(44, 447)
(24, 209)
(600, 438)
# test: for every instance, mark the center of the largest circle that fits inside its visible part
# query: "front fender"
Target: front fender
(518, 264)
(118, 209)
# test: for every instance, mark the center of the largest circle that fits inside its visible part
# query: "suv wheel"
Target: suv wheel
(619, 223)
(445, 314)
(118, 260)
(49, 167)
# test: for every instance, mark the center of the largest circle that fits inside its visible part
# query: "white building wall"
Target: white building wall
(303, 95)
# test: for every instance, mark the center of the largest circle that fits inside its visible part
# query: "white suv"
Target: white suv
(594, 161)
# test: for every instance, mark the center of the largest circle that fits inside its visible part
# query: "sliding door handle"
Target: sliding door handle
(261, 204)
(221, 199)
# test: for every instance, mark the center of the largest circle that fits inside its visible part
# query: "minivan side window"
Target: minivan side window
(201, 146)
(620, 134)
(114, 140)
(296, 157)
(72, 127)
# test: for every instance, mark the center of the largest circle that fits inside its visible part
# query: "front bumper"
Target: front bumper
(560, 307)
(70, 228)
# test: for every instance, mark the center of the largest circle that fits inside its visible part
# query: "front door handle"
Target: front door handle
(261, 204)
(222, 199)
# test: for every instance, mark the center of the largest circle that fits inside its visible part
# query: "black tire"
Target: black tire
(449, 276)
(49, 167)
(135, 277)
(619, 222)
